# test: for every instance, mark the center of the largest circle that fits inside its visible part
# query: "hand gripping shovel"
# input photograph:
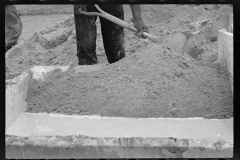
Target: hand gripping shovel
(118, 22)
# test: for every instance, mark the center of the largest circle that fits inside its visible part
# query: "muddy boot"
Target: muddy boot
(86, 32)
(113, 34)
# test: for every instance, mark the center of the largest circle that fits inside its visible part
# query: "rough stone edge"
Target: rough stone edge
(225, 52)
(72, 141)
(16, 94)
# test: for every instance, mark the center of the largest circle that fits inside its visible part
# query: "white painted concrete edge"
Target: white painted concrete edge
(39, 72)
(16, 94)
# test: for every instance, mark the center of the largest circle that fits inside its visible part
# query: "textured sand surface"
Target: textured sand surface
(174, 78)
(156, 83)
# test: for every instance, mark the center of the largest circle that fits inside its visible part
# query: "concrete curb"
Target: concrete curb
(51, 136)
(33, 152)
(169, 150)
(225, 52)
(16, 93)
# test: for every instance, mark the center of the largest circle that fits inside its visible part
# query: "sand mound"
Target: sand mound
(174, 78)
(155, 83)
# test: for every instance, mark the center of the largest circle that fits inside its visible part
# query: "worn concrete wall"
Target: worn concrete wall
(35, 152)
(230, 24)
(225, 52)
(56, 147)
(16, 93)
(63, 136)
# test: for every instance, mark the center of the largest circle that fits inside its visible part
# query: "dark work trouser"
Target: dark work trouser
(86, 33)
(13, 26)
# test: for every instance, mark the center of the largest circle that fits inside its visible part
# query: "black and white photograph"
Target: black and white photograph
(118, 81)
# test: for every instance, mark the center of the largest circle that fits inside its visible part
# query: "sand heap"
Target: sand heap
(174, 78)
(155, 83)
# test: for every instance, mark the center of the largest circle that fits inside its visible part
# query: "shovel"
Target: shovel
(119, 22)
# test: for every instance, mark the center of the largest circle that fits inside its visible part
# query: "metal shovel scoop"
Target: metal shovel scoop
(118, 22)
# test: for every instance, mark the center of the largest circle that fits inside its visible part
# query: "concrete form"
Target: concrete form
(16, 93)
(225, 52)
(61, 136)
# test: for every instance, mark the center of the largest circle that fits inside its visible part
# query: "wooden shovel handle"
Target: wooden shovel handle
(118, 22)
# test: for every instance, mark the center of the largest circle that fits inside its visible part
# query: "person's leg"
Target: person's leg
(113, 34)
(13, 26)
(86, 36)
(7, 48)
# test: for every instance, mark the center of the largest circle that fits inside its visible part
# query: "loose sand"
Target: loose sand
(174, 78)
(156, 83)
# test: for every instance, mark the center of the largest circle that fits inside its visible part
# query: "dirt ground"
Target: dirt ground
(177, 77)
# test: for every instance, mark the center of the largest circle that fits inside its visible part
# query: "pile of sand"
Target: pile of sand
(155, 83)
(174, 78)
